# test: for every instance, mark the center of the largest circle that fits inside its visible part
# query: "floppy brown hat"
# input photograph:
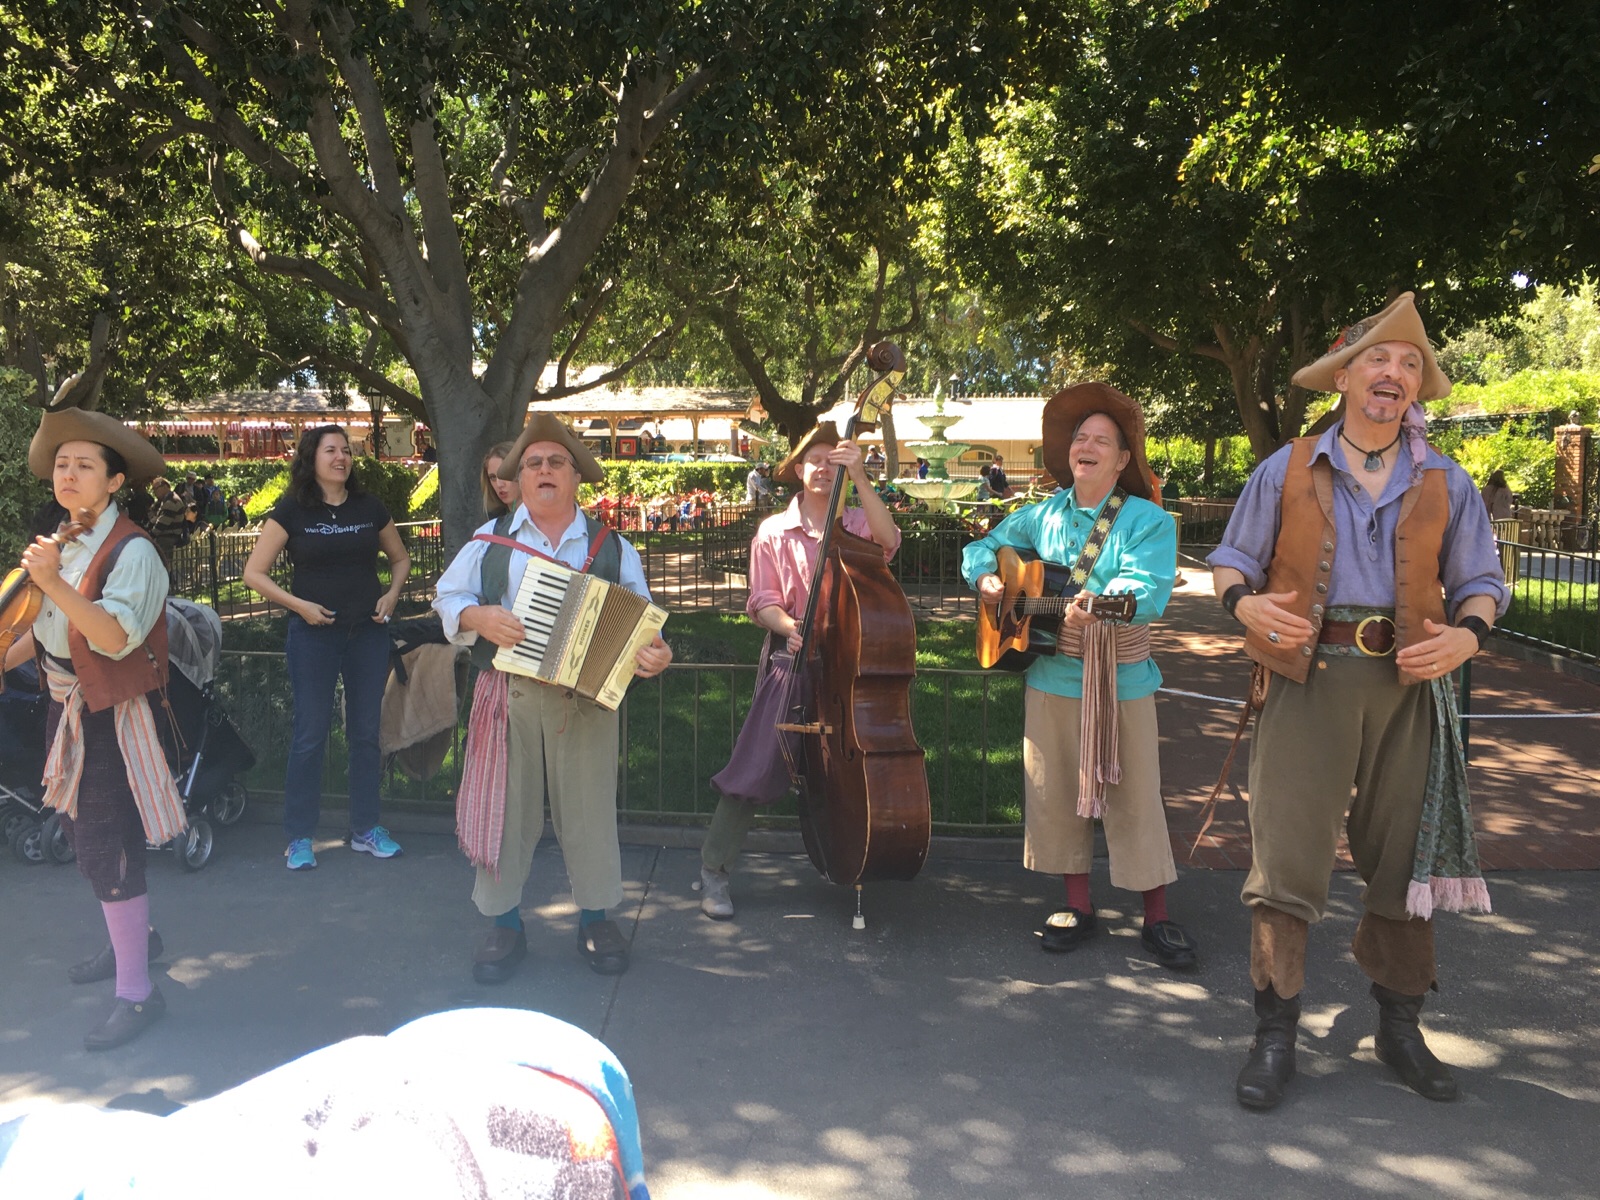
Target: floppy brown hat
(826, 433)
(542, 427)
(64, 425)
(1398, 321)
(1066, 410)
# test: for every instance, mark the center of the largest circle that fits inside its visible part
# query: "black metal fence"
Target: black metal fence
(1555, 599)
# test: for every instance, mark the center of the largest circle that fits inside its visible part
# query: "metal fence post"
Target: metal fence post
(216, 566)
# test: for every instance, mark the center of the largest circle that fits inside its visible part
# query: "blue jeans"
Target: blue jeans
(317, 655)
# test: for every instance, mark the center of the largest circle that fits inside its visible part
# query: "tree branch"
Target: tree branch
(652, 348)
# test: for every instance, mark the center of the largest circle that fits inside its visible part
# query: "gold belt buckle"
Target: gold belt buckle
(1361, 630)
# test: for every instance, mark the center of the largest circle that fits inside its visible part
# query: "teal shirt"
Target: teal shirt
(1140, 556)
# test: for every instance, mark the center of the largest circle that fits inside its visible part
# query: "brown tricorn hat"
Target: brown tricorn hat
(542, 427)
(1397, 322)
(826, 433)
(1067, 409)
(62, 425)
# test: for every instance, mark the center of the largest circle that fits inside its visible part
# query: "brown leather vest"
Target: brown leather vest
(1303, 558)
(110, 681)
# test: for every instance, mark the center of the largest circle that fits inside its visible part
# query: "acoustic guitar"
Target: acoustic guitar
(1027, 621)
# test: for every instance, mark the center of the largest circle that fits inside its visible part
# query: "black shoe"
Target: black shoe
(1067, 930)
(497, 959)
(1400, 1044)
(128, 1019)
(1171, 945)
(602, 943)
(1266, 1073)
(104, 965)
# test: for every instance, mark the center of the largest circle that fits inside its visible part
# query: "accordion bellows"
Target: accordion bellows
(582, 633)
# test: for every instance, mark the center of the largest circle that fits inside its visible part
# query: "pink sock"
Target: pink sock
(1078, 892)
(1155, 905)
(128, 922)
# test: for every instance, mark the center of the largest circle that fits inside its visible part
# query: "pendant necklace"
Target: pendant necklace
(1374, 461)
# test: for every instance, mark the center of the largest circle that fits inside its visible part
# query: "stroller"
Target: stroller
(32, 831)
(209, 751)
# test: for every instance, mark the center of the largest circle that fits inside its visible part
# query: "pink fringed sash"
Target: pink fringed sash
(481, 801)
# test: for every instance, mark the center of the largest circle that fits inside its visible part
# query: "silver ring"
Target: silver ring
(1273, 637)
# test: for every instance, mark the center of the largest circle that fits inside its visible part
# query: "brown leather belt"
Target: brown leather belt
(1372, 636)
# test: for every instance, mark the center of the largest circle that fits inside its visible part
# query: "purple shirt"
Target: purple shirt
(1363, 567)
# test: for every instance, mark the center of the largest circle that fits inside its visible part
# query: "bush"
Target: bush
(1527, 391)
(20, 493)
(1528, 460)
(1182, 461)
(652, 480)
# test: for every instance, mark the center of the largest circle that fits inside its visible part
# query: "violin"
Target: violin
(21, 598)
(864, 803)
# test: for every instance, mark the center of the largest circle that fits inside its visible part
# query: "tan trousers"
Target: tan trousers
(1351, 725)
(566, 749)
(1058, 840)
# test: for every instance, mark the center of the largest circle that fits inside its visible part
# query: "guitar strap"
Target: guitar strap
(1097, 540)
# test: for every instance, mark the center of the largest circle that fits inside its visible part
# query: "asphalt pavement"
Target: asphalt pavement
(936, 1054)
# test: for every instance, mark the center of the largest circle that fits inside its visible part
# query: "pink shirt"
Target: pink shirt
(783, 557)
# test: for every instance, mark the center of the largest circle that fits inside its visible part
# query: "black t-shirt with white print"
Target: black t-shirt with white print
(334, 551)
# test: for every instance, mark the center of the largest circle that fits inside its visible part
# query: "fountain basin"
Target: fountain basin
(937, 494)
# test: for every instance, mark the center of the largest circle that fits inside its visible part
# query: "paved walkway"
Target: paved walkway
(938, 1055)
(1534, 781)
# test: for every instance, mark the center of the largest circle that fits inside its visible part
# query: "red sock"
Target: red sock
(1155, 905)
(1078, 892)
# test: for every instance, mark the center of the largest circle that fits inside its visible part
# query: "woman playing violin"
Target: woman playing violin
(783, 560)
(100, 637)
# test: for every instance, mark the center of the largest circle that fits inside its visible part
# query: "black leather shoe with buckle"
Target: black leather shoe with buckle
(1067, 930)
(602, 944)
(104, 964)
(1171, 945)
(128, 1019)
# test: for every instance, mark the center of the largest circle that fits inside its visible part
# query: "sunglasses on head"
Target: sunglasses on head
(535, 461)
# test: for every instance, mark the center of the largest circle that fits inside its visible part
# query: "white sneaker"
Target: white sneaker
(715, 901)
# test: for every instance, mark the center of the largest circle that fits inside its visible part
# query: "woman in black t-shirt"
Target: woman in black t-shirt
(338, 613)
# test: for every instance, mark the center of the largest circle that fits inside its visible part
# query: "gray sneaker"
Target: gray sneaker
(715, 901)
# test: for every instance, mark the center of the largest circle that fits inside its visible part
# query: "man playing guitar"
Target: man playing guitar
(1090, 743)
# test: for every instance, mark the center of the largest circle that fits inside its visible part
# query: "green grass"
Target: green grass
(680, 728)
(1563, 614)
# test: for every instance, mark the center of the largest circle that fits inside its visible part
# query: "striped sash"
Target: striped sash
(481, 800)
(150, 780)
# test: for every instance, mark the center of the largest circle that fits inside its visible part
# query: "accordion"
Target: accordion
(582, 633)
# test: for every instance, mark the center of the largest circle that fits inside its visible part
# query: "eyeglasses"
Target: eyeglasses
(535, 462)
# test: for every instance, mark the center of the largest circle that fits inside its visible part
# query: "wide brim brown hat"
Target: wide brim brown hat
(1067, 409)
(65, 425)
(545, 428)
(1399, 321)
(826, 433)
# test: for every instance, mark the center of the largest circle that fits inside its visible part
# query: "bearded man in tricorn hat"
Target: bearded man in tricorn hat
(1090, 743)
(1363, 568)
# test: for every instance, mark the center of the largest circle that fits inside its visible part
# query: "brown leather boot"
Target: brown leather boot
(1400, 1044)
(1271, 1063)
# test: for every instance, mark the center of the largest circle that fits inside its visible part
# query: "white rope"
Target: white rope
(1489, 716)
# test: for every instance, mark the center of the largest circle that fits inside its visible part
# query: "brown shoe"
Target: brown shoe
(497, 959)
(104, 964)
(602, 944)
(128, 1019)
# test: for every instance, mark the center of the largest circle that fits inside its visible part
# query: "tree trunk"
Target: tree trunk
(891, 446)
(1208, 468)
(465, 420)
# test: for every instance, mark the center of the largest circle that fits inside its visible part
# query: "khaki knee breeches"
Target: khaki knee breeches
(1061, 842)
(1350, 727)
(565, 749)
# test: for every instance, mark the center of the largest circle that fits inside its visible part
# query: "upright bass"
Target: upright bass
(863, 785)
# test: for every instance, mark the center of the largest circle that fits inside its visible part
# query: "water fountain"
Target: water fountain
(938, 490)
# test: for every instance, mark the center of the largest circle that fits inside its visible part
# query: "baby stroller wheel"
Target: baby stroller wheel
(53, 838)
(193, 848)
(12, 821)
(229, 805)
(27, 842)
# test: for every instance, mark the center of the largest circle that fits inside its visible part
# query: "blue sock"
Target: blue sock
(509, 920)
(588, 916)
